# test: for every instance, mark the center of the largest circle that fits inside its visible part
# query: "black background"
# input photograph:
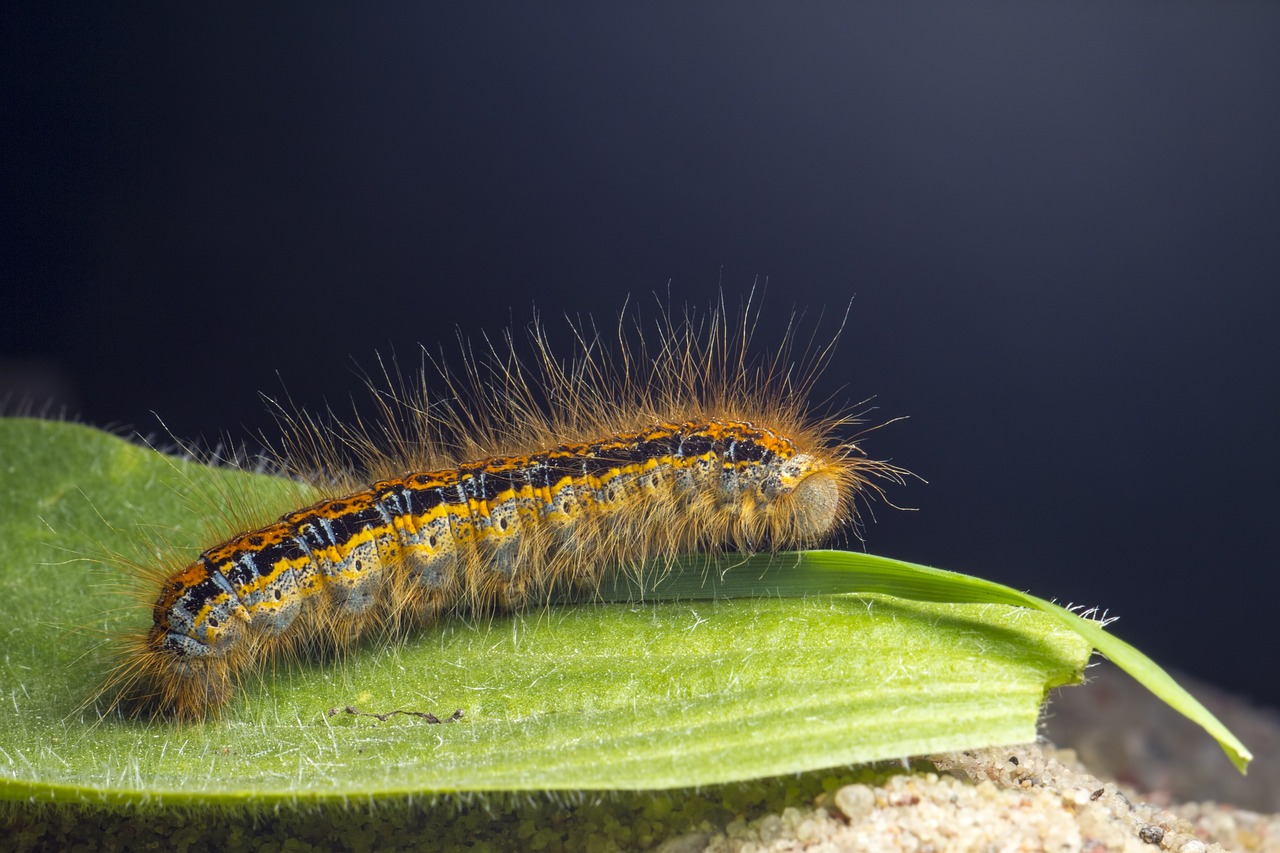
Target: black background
(1059, 224)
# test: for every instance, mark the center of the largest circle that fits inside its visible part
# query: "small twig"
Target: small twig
(425, 715)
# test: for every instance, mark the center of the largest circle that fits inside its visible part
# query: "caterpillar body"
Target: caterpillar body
(542, 477)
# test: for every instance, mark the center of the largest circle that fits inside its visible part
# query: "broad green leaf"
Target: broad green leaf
(756, 670)
(842, 571)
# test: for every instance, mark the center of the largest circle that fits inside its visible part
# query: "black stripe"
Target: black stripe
(348, 525)
(423, 501)
(693, 445)
(747, 450)
(539, 472)
(559, 467)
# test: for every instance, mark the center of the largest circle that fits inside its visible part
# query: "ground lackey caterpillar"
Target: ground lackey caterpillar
(521, 476)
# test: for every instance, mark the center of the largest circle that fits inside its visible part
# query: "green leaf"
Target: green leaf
(845, 572)
(661, 693)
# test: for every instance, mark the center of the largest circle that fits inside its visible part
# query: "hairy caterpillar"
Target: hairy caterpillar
(520, 479)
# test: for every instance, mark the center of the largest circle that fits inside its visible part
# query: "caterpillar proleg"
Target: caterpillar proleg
(522, 476)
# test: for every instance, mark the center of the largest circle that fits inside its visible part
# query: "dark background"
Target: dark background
(1059, 223)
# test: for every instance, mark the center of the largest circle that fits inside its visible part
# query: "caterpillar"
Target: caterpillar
(525, 475)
